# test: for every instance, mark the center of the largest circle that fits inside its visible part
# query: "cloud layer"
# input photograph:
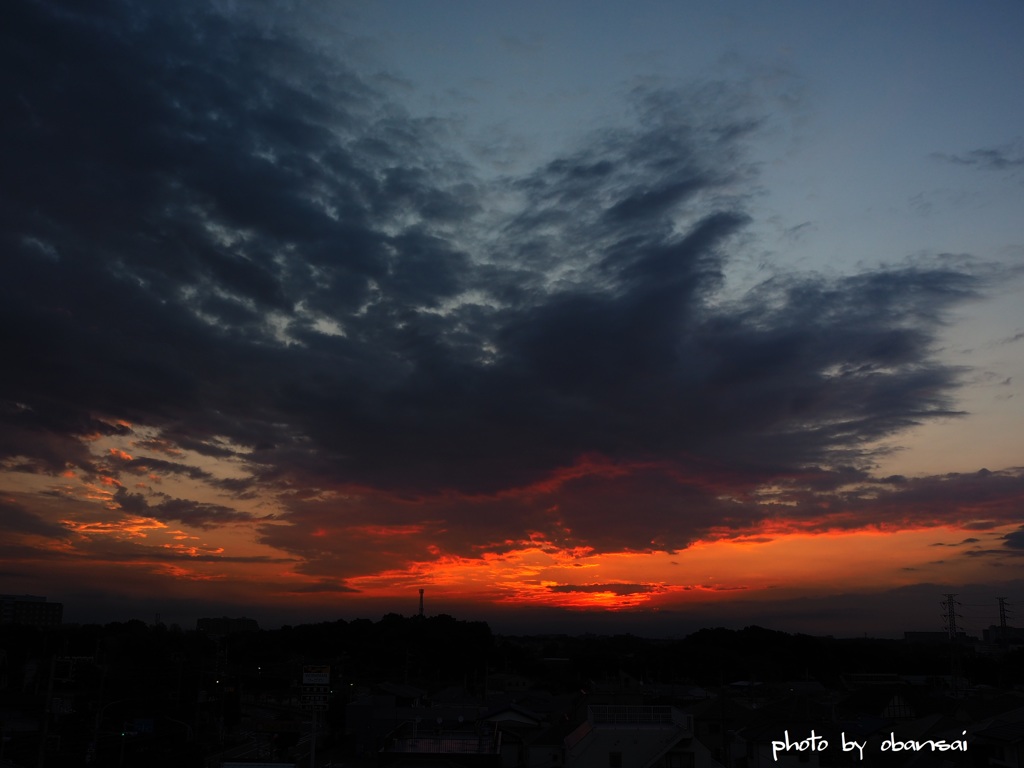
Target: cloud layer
(225, 247)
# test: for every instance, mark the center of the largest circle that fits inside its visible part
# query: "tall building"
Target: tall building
(31, 610)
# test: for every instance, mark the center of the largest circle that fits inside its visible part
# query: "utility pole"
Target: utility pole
(954, 666)
(46, 713)
(312, 743)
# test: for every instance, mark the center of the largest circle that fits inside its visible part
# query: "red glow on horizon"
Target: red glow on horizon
(385, 531)
(184, 574)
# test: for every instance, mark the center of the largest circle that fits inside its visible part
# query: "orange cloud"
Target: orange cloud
(193, 550)
(131, 526)
(184, 574)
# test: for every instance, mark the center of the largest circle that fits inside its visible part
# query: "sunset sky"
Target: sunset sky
(635, 317)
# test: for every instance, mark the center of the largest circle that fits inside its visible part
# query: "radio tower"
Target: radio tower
(421, 602)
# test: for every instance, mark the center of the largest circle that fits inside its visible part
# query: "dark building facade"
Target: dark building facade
(30, 610)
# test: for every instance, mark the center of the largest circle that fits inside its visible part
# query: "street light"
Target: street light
(181, 722)
(96, 729)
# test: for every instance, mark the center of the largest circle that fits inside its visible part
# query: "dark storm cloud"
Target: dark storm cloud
(48, 437)
(146, 464)
(194, 513)
(218, 232)
(16, 520)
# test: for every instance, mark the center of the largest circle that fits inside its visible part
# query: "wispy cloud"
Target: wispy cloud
(1001, 158)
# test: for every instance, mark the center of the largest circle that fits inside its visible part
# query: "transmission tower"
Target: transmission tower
(954, 658)
(1004, 633)
(951, 604)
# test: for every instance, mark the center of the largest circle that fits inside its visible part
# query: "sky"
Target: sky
(637, 318)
